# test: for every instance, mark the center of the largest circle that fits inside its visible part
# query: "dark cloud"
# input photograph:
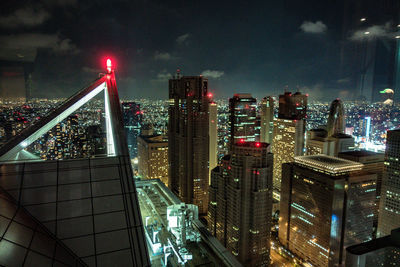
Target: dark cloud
(28, 41)
(162, 56)
(25, 17)
(182, 39)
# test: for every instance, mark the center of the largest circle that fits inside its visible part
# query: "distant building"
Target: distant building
(240, 207)
(389, 211)
(242, 119)
(332, 140)
(373, 163)
(153, 157)
(292, 106)
(289, 129)
(132, 123)
(188, 140)
(327, 204)
(213, 134)
(267, 119)
(384, 251)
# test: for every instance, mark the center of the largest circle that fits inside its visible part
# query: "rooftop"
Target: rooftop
(154, 199)
(328, 164)
(360, 153)
(392, 240)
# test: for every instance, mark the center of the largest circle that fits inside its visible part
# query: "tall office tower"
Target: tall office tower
(383, 251)
(132, 123)
(289, 129)
(188, 139)
(241, 202)
(73, 212)
(267, 119)
(153, 156)
(373, 163)
(242, 118)
(332, 140)
(213, 134)
(389, 210)
(326, 205)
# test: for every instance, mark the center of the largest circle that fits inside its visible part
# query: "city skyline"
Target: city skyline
(262, 134)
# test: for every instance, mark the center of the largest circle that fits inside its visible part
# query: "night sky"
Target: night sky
(259, 47)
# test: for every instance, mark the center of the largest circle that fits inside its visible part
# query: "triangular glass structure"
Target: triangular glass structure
(86, 206)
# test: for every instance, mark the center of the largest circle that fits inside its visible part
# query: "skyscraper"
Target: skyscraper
(289, 129)
(132, 123)
(267, 119)
(241, 202)
(77, 212)
(213, 134)
(389, 211)
(242, 118)
(373, 163)
(332, 140)
(188, 139)
(153, 157)
(327, 204)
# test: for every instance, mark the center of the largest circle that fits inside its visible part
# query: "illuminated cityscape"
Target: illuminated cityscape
(163, 133)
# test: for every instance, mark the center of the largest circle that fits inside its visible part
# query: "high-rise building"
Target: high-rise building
(332, 140)
(389, 210)
(383, 251)
(327, 204)
(240, 206)
(289, 129)
(292, 106)
(267, 119)
(132, 123)
(213, 134)
(74, 212)
(242, 118)
(373, 163)
(153, 157)
(188, 139)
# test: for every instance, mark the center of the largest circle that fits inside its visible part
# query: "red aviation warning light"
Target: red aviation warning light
(258, 144)
(109, 65)
(210, 95)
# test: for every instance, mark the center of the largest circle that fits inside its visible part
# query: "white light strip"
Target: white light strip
(33, 137)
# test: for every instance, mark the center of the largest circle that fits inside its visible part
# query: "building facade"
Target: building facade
(242, 118)
(289, 130)
(326, 205)
(267, 119)
(373, 163)
(240, 207)
(153, 157)
(132, 124)
(188, 140)
(389, 211)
